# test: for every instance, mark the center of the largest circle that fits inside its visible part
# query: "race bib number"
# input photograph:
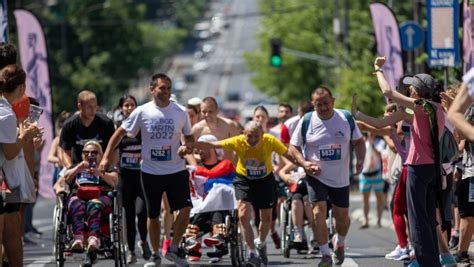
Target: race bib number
(330, 152)
(130, 161)
(84, 177)
(161, 153)
(256, 172)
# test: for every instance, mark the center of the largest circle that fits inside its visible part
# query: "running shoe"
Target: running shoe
(92, 244)
(131, 258)
(398, 254)
(145, 249)
(462, 257)
(178, 257)
(214, 240)
(253, 261)
(453, 243)
(326, 261)
(261, 250)
(338, 253)
(447, 260)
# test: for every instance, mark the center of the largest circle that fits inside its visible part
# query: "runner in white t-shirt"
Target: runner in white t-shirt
(161, 123)
(328, 139)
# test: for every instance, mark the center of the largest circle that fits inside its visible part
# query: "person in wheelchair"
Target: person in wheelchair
(213, 198)
(301, 208)
(89, 187)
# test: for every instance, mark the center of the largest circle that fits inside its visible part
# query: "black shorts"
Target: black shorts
(175, 185)
(261, 193)
(301, 192)
(466, 208)
(318, 191)
(1, 205)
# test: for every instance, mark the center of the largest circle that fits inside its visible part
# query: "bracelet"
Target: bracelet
(377, 70)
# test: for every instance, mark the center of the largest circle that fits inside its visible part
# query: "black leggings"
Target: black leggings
(134, 205)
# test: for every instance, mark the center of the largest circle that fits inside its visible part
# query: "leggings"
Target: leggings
(400, 210)
(134, 205)
(90, 211)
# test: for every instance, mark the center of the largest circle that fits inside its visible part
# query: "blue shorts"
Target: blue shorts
(368, 183)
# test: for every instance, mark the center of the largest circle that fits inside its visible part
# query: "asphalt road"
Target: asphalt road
(363, 247)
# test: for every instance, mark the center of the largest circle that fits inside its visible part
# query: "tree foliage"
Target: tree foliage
(308, 26)
(102, 45)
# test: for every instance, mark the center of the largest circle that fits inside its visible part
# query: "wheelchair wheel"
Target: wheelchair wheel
(235, 239)
(285, 214)
(116, 219)
(59, 232)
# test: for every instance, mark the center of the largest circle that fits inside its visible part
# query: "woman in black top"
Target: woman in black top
(130, 186)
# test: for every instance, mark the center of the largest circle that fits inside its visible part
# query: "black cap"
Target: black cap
(423, 83)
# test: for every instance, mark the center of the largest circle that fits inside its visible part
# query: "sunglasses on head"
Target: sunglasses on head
(90, 152)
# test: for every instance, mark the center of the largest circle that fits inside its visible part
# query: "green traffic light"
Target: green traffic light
(276, 61)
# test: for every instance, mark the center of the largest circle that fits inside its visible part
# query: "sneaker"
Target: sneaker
(145, 249)
(131, 258)
(194, 255)
(326, 261)
(213, 240)
(36, 232)
(192, 244)
(92, 244)
(178, 257)
(447, 260)
(165, 247)
(314, 248)
(78, 243)
(398, 254)
(453, 243)
(253, 261)
(154, 260)
(276, 240)
(261, 250)
(219, 251)
(29, 239)
(298, 238)
(338, 253)
(462, 257)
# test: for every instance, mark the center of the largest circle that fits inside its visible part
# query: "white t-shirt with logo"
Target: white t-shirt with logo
(161, 130)
(328, 145)
(8, 129)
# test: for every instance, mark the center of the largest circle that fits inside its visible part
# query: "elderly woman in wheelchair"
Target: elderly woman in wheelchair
(89, 187)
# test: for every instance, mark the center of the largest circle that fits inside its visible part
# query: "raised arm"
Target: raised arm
(390, 120)
(395, 96)
(456, 113)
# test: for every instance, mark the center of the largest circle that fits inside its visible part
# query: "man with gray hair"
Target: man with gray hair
(254, 182)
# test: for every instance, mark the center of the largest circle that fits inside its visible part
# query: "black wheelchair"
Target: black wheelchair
(287, 229)
(232, 237)
(112, 245)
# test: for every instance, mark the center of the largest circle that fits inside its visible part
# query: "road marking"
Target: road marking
(41, 261)
(349, 262)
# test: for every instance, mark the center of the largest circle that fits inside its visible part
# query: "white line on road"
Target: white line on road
(349, 262)
(41, 261)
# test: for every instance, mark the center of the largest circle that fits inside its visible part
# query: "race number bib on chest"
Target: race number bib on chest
(162, 153)
(85, 177)
(130, 161)
(330, 152)
(255, 169)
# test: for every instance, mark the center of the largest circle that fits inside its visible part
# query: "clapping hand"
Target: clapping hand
(379, 62)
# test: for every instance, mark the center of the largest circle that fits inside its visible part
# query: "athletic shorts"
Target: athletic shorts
(175, 185)
(466, 208)
(206, 220)
(261, 193)
(373, 182)
(318, 191)
(301, 192)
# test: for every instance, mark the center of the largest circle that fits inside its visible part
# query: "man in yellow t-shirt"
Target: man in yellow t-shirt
(254, 182)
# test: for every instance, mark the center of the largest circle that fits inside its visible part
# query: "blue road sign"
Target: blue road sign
(412, 35)
(442, 33)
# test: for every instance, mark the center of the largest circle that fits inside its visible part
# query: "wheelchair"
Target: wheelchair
(112, 245)
(287, 229)
(232, 237)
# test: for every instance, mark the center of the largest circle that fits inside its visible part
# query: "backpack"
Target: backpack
(447, 145)
(350, 120)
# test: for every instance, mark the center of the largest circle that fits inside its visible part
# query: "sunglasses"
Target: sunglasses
(90, 152)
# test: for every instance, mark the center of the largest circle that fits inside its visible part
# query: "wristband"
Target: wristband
(377, 70)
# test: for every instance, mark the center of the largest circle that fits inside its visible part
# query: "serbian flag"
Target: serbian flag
(212, 189)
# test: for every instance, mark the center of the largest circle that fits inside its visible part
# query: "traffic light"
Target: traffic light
(275, 57)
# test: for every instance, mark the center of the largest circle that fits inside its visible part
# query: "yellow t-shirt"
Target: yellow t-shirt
(254, 162)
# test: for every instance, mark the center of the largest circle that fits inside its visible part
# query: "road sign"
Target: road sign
(442, 33)
(412, 35)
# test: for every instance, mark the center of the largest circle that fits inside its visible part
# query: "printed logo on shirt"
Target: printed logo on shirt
(339, 134)
(82, 142)
(85, 177)
(161, 129)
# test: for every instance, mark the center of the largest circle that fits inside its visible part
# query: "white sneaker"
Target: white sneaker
(398, 254)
